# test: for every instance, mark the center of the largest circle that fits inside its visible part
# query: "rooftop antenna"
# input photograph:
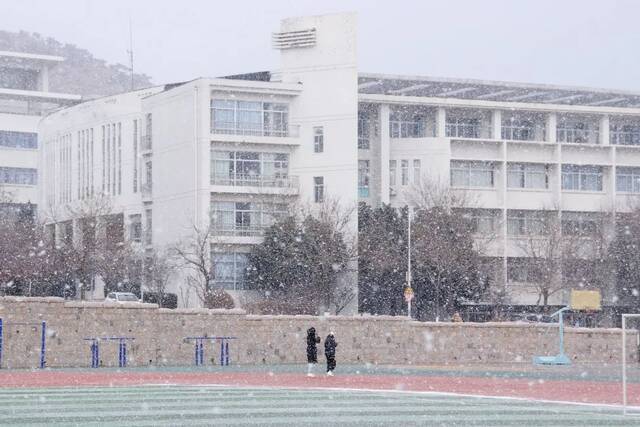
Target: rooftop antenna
(130, 51)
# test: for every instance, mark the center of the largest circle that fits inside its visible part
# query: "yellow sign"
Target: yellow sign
(585, 300)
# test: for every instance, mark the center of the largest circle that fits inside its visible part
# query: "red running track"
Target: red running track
(598, 392)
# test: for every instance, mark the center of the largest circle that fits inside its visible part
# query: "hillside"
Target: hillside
(80, 73)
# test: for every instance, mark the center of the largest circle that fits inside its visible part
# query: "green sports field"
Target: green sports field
(218, 405)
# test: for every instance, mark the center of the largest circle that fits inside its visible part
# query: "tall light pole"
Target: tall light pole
(408, 293)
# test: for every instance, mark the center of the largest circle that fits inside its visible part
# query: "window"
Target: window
(621, 134)
(318, 139)
(404, 172)
(363, 178)
(527, 175)
(406, 124)
(249, 118)
(318, 189)
(363, 130)
(148, 139)
(18, 176)
(250, 168)
(581, 178)
(119, 176)
(576, 131)
(579, 223)
(245, 218)
(482, 221)
(628, 180)
(416, 171)
(532, 223)
(135, 228)
(14, 139)
(392, 172)
(135, 156)
(518, 130)
(229, 270)
(523, 270)
(462, 127)
(148, 229)
(472, 174)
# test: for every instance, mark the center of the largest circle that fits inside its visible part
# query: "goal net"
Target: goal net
(631, 364)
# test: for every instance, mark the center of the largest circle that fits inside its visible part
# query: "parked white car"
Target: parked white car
(121, 297)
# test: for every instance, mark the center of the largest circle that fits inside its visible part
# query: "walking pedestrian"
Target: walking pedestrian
(312, 350)
(330, 345)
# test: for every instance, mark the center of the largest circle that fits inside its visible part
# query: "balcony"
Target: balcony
(621, 137)
(239, 230)
(232, 128)
(145, 143)
(260, 181)
(460, 130)
(523, 133)
(577, 135)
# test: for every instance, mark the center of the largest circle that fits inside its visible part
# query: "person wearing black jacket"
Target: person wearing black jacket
(312, 350)
(330, 345)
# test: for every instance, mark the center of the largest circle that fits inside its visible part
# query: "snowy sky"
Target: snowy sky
(572, 42)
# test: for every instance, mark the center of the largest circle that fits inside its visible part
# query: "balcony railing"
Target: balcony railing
(255, 181)
(250, 129)
(145, 142)
(241, 230)
(619, 137)
(522, 133)
(577, 136)
(460, 130)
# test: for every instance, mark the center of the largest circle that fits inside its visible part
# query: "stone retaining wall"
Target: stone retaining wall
(159, 337)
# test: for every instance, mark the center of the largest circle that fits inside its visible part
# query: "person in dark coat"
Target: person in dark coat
(330, 345)
(312, 350)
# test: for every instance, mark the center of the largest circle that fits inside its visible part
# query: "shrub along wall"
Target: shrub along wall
(159, 337)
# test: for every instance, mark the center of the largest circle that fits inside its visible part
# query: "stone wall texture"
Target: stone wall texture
(160, 337)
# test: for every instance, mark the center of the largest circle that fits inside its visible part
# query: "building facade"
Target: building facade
(24, 99)
(527, 160)
(234, 154)
(230, 155)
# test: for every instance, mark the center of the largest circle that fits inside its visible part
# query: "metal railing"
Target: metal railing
(619, 137)
(251, 129)
(577, 136)
(522, 133)
(459, 130)
(240, 230)
(255, 181)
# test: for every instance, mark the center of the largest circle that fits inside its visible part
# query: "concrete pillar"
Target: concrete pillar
(44, 79)
(441, 122)
(385, 151)
(496, 124)
(551, 126)
(604, 130)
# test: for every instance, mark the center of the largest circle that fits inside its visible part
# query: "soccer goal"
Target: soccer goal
(630, 362)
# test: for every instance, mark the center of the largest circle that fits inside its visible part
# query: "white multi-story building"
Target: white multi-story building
(24, 99)
(232, 152)
(235, 153)
(524, 155)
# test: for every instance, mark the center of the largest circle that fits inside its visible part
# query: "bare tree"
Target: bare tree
(194, 256)
(159, 267)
